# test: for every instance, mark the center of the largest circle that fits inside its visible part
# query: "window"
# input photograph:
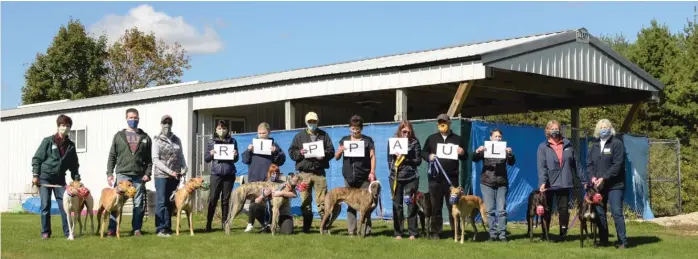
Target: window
(79, 136)
(235, 125)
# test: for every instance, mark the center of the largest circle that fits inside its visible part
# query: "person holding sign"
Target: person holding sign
(222, 153)
(312, 150)
(494, 184)
(359, 164)
(606, 167)
(259, 156)
(404, 177)
(444, 151)
(557, 162)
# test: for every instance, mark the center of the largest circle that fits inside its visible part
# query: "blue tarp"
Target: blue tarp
(379, 133)
(636, 188)
(33, 205)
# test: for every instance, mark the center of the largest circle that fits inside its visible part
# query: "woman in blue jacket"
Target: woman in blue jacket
(557, 164)
(259, 165)
(606, 166)
(222, 173)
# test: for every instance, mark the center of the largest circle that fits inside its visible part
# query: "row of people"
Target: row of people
(134, 155)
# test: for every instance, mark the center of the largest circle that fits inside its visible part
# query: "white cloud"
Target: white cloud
(170, 29)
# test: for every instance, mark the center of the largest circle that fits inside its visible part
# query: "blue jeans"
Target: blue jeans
(615, 198)
(45, 195)
(138, 212)
(164, 187)
(495, 197)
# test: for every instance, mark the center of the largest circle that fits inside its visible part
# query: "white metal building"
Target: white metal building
(567, 69)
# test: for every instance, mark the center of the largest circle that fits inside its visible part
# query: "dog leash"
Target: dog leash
(398, 161)
(436, 165)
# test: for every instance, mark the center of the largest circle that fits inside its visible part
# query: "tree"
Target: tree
(72, 68)
(139, 60)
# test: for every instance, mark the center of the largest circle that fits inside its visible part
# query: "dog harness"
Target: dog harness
(398, 161)
(437, 169)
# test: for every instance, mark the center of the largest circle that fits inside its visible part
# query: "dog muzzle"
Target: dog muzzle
(597, 198)
(407, 199)
(540, 210)
(205, 186)
(301, 187)
(453, 199)
(83, 192)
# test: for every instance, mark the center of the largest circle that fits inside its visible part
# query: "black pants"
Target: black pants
(221, 187)
(402, 189)
(258, 211)
(562, 198)
(439, 189)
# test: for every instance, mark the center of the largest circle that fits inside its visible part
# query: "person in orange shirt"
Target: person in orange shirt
(557, 163)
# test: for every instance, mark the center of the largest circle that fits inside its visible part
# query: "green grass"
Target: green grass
(21, 239)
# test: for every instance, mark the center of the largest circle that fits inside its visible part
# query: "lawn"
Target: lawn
(21, 239)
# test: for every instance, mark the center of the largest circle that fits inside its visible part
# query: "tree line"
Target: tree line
(77, 65)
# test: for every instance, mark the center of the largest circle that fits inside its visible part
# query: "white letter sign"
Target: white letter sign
(495, 149)
(224, 151)
(447, 151)
(354, 148)
(261, 146)
(398, 145)
(314, 149)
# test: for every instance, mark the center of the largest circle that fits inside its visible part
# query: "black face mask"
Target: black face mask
(555, 133)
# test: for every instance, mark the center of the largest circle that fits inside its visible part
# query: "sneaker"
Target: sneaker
(503, 239)
(249, 228)
(265, 229)
(44, 236)
(163, 234)
(111, 233)
(623, 246)
(137, 233)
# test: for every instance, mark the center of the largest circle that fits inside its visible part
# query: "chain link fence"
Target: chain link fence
(664, 177)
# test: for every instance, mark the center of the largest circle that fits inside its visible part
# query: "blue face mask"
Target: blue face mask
(133, 124)
(312, 127)
(274, 177)
(604, 133)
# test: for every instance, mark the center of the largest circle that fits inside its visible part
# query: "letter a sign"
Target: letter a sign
(447, 151)
(398, 145)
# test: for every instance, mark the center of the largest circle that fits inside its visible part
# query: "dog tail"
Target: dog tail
(483, 213)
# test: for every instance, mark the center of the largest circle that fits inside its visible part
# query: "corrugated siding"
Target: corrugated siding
(576, 61)
(101, 124)
(348, 84)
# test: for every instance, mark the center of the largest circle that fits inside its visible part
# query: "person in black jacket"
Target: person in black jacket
(358, 172)
(54, 156)
(606, 167)
(311, 170)
(222, 173)
(259, 165)
(438, 182)
(407, 184)
(494, 185)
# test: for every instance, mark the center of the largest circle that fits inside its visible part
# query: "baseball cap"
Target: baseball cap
(311, 116)
(164, 117)
(443, 117)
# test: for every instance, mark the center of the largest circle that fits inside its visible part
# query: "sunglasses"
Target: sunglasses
(406, 132)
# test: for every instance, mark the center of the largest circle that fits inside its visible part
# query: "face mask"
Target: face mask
(166, 129)
(443, 128)
(355, 132)
(221, 132)
(555, 133)
(63, 130)
(496, 139)
(260, 136)
(274, 177)
(312, 127)
(133, 124)
(604, 133)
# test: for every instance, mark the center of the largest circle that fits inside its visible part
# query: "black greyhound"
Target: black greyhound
(537, 211)
(587, 215)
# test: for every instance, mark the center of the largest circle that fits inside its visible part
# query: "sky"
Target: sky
(233, 39)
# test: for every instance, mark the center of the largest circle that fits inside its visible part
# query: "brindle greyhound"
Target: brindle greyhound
(364, 201)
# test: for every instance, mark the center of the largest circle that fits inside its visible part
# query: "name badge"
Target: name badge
(53, 147)
(607, 151)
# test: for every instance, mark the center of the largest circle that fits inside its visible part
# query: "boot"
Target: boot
(307, 222)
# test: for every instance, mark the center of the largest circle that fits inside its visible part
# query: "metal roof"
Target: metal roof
(488, 51)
